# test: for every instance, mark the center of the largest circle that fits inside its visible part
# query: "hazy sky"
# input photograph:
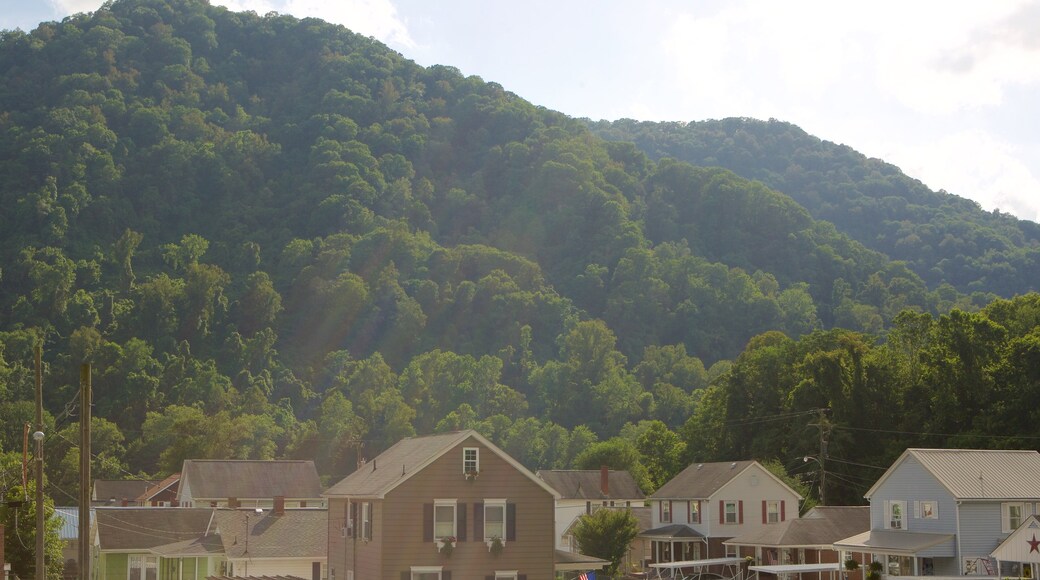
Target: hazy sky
(947, 90)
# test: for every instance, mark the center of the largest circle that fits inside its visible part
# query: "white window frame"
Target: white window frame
(922, 511)
(666, 511)
(891, 507)
(506, 574)
(726, 513)
(470, 464)
(1006, 522)
(772, 511)
(446, 503)
(495, 503)
(418, 571)
(366, 520)
(143, 562)
(731, 551)
(694, 517)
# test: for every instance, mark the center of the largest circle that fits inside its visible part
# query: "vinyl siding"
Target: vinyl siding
(751, 486)
(114, 566)
(913, 483)
(398, 542)
(980, 529)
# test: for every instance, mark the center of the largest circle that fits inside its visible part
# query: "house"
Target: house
(118, 492)
(581, 490)
(709, 503)
(1019, 555)
(69, 534)
(943, 512)
(162, 494)
(442, 506)
(145, 543)
(249, 483)
(276, 542)
(805, 545)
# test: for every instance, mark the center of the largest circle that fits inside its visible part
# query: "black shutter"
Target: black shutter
(510, 522)
(460, 522)
(406, 576)
(521, 577)
(478, 521)
(446, 575)
(427, 524)
(350, 511)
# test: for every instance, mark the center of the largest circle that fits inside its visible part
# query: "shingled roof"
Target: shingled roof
(409, 456)
(701, 480)
(586, 484)
(293, 534)
(114, 491)
(820, 527)
(143, 528)
(249, 479)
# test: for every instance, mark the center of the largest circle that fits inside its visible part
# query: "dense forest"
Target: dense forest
(275, 238)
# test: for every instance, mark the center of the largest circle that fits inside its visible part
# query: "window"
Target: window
(772, 512)
(1011, 518)
(443, 519)
(142, 567)
(494, 519)
(510, 575)
(895, 512)
(666, 511)
(366, 520)
(426, 572)
(695, 512)
(730, 512)
(470, 460)
(731, 551)
(928, 510)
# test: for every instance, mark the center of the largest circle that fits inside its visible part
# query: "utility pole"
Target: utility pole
(85, 397)
(824, 426)
(41, 564)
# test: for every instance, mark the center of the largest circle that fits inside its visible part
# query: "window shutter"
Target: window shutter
(460, 522)
(722, 512)
(406, 576)
(700, 510)
(783, 510)
(764, 517)
(510, 522)
(740, 512)
(689, 512)
(478, 521)
(446, 575)
(427, 526)
(349, 510)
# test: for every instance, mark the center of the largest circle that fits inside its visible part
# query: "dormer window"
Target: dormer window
(470, 460)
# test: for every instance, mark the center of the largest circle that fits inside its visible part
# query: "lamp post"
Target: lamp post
(823, 477)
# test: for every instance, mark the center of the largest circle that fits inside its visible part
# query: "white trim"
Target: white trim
(453, 504)
(497, 503)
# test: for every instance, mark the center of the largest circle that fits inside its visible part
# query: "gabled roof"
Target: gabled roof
(586, 484)
(409, 456)
(294, 534)
(138, 529)
(116, 490)
(702, 480)
(973, 474)
(245, 479)
(821, 526)
(1022, 544)
(159, 487)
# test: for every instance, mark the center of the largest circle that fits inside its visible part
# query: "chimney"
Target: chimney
(279, 505)
(604, 480)
(232, 502)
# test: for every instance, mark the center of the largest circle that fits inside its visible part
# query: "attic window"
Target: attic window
(470, 460)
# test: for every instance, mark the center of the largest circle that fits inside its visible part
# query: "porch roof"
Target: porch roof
(893, 542)
(672, 532)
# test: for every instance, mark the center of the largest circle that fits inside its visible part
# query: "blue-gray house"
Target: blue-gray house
(943, 512)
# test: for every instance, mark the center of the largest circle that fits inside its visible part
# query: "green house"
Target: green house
(142, 543)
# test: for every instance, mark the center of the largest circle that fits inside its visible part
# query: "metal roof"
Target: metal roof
(977, 474)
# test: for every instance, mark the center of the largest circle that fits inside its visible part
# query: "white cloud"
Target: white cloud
(67, 7)
(376, 18)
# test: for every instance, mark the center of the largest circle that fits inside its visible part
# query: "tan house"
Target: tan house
(249, 484)
(440, 507)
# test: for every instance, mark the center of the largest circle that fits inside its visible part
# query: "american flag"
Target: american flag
(587, 576)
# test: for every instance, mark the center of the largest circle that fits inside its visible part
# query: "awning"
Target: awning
(895, 542)
(570, 561)
(796, 568)
(699, 563)
(672, 532)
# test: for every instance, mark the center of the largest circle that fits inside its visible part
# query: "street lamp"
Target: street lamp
(823, 477)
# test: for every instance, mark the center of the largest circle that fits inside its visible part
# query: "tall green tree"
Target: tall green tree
(606, 534)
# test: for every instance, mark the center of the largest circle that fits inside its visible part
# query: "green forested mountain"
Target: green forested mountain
(272, 237)
(943, 238)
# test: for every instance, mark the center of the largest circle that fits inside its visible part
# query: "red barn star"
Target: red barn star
(1034, 544)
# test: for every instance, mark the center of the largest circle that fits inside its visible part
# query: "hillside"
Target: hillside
(275, 237)
(944, 238)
